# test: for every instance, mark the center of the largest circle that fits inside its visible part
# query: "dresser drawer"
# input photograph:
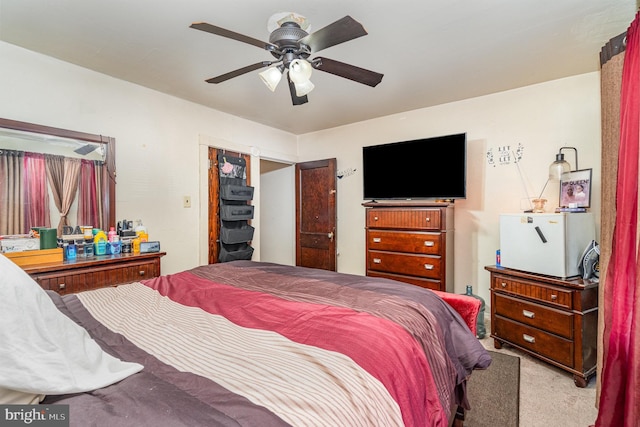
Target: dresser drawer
(84, 279)
(434, 284)
(545, 318)
(414, 265)
(405, 219)
(549, 294)
(403, 241)
(543, 343)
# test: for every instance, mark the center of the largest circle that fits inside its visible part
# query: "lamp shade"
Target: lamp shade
(271, 77)
(304, 88)
(300, 71)
(557, 168)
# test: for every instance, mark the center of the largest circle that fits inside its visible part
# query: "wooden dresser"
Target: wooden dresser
(552, 319)
(67, 277)
(411, 242)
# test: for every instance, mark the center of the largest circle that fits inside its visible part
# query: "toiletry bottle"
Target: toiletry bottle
(100, 243)
(116, 248)
(135, 245)
(140, 226)
(88, 248)
(71, 251)
(112, 233)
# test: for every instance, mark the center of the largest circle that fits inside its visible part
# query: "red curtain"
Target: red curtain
(37, 193)
(88, 209)
(620, 391)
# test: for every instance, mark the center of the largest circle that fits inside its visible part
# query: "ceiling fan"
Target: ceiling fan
(292, 45)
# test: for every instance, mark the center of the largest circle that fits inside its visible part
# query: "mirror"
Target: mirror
(29, 137)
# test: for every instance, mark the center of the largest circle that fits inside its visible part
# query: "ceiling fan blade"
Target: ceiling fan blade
(295, 99)
(342, 30)
(351, 72)
(240, 71)
(203, 26)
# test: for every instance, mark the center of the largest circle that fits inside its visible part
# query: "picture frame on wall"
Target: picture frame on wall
(575, 189)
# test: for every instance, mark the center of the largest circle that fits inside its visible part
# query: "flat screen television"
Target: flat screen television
(427, 168)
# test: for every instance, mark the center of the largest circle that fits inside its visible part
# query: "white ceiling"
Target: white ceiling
(430, 51)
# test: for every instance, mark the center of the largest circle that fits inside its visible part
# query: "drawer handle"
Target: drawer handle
(504, 285)
(554, 297)
(377, 261)
(529, 338)
(377, 240)
(375, 218)
(142, 272)
(427, 219)
(428, 266)
(428, 243)
(62, 286)
(528, 314)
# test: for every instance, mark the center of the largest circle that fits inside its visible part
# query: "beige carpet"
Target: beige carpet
(548, 396)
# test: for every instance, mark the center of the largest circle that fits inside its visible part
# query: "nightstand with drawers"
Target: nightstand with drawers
(552, 319)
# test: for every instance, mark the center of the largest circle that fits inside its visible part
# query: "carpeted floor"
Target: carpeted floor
(494, 393)
(548, 396)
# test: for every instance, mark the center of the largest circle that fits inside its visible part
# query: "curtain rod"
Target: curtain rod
(613, 47)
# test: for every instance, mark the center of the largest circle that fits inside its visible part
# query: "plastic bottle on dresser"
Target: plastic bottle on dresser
(100, 243)
(114, 246)
(135, 245)
(71, 250)
(141, 231)
(111, 234)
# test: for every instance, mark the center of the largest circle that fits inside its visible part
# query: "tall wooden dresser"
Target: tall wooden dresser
(552, 319)
(411, 242)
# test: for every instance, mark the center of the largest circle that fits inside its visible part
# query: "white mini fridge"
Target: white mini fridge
(550, 244)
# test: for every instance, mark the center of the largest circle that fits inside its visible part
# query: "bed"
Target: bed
(247, 343)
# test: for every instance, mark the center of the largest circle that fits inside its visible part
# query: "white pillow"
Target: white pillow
(12, 397)
(42, 351)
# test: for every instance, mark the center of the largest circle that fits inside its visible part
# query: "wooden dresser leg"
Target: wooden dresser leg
(497, 344)
(579, 381)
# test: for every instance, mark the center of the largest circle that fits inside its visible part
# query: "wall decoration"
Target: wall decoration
(505, 155)
(345, 173)
(575, 189)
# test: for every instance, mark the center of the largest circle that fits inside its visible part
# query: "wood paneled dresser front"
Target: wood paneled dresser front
(67, 277)
(411, 242)
(552, 319)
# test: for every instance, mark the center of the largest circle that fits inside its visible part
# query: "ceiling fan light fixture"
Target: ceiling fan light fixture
(303, 88)
(300, 71)
(292, 44)
(271, 77)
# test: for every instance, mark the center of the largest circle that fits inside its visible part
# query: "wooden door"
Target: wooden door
(316, 214)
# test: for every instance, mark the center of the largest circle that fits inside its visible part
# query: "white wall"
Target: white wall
(158, 141)
(161, 139)
(542, 118)
(277, 220)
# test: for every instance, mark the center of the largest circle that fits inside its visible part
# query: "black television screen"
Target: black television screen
(428, 168)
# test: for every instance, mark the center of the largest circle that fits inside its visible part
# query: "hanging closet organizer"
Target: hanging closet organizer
(235, 210)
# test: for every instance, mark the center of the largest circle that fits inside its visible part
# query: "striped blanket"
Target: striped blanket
(258, 344)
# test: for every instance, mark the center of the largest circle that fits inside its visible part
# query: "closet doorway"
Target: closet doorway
(277, 212)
